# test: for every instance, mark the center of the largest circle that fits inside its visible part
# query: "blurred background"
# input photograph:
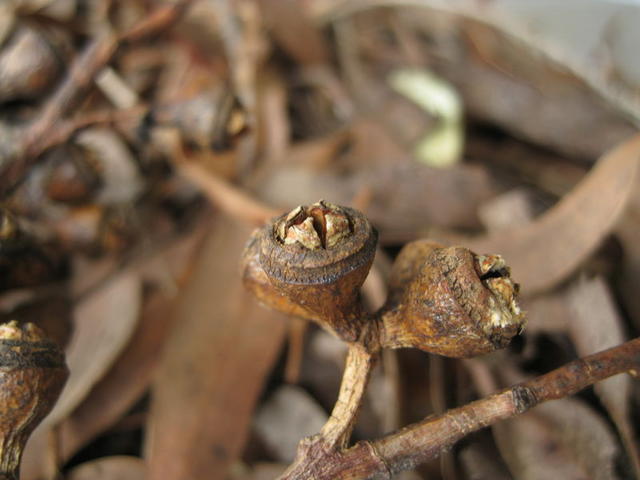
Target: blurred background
(141, 141)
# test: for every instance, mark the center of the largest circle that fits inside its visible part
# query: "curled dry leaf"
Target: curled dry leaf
(110, 468)
(213, 368)
(546, 251)
(596, 325)
(503, 68)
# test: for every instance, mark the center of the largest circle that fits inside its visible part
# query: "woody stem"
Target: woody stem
(337, 431)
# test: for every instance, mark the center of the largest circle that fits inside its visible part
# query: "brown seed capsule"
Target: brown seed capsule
(450, 301)
(32, 374)
(312, 263)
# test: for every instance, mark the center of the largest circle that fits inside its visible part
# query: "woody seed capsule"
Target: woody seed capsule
(32, 374)
(450, 301)
(311, 263)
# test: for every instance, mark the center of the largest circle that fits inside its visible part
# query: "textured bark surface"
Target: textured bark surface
(421, 442)
(441, 302)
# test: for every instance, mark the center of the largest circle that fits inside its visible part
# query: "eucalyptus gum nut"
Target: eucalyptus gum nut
(450, 301)
(408, 264)
(311, 279)
(32, 374)
(256, 281)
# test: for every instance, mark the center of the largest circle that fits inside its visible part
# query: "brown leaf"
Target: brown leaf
(548, 313)
(214, 366)
(287, 416)
(296, 33)
(512, 209)
(421, 196)
(627, 232)
(127, 380)
(480, 461)
(104, 324)
(548, 250)
(596, 325)
(110, 468)
(561, 439)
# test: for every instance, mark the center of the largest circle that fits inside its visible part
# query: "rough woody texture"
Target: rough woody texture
(337, 431)
(450, 301)
(32, 374)
(425, 441)
(312, 262)
(318, 279)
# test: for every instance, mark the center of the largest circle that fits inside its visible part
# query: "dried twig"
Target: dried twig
(227, 197)
(426, 440)
(78, 81)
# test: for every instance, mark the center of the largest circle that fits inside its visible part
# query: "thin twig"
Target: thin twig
(79, 80)
(337, 431)
(225, 196)
(424, 441)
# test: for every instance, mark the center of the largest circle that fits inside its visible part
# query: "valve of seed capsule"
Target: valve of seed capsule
(320, 225)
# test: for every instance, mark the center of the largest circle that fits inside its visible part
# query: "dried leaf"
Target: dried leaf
(110, 468)
(421, 196)
(214, 366)
(104, 324)
(596, 325)
(287, 416)
(127, 380)
(510, 210)
(480, 461)
(503, 68)
(295, 32)
(548, 313)
(627, 233)
(548, 250)
(561, 439)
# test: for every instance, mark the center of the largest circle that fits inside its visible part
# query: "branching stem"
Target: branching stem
(78, 81)
(424, 441)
